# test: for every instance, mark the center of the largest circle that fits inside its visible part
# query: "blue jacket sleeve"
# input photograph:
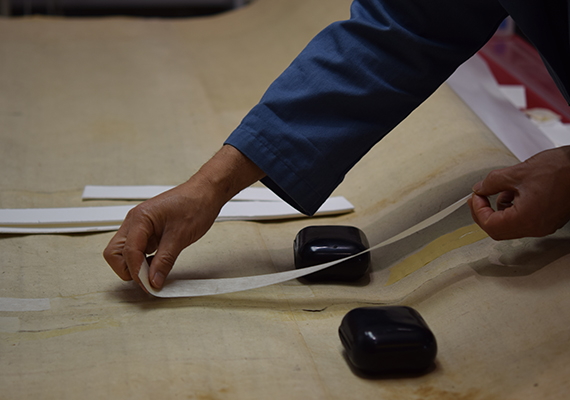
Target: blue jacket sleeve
(546, 24)
(352, 84)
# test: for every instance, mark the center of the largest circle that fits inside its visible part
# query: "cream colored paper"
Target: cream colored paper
(128, 100)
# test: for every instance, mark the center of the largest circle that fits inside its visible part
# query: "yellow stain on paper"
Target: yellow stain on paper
(444, 244)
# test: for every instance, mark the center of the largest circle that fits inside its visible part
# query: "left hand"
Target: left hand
(173, 220)
(534, 197)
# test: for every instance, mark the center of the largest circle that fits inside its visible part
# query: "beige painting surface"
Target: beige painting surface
(126, 101)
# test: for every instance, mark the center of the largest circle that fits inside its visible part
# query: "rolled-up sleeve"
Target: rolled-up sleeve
(352, 84)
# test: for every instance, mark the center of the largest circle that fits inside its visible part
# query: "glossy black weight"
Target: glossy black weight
(388, 340)
(320, 244)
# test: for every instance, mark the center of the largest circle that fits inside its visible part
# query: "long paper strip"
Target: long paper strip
(98, 192)
(98, 219)
(35, 230)
(207, 287)
(64, 216)
(94, 192)
(13, 304)
(264, 210)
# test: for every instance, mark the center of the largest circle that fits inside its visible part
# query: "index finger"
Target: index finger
(499, 180)
(113, 253)
(139, 232)
(499, 225)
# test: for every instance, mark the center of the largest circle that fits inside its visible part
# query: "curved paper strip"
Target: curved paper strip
(207, 287)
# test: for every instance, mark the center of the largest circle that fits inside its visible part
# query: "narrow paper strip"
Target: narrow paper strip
(206, 287)
(13, 304)
(265, 210)
(109, 218)
(99, 192)
(32, 230)
(64, 216)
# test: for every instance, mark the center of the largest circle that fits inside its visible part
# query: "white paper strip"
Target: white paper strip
(94, 192)
(64, 216)
(34, 230)
(475, 84)
(206, 287)
(98, 219)
(265, 210)
(256, 194)
(13, 304)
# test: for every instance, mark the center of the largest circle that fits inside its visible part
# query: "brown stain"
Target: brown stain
(429, 392)
(221, 394)
(51, 333)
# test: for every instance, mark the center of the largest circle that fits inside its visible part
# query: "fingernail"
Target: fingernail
(158, 280)
(477, 186)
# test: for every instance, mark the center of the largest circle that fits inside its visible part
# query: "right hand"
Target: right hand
(533, 197)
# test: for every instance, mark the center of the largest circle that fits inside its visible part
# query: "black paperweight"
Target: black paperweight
(316, 245)
(388, 340)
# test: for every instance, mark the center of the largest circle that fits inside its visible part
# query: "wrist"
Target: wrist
(226, 174)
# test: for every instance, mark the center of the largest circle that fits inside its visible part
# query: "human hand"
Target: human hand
(167, 224)
(173, 220)
(534, 197)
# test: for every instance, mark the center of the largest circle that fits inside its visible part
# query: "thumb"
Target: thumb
(162, 262)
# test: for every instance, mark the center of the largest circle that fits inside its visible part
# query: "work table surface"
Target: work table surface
(116, 101)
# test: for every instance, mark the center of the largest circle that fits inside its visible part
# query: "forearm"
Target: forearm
(177, 218)
(226, 174)
(352, 84)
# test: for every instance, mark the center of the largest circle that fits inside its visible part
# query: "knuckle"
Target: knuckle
(132, 212)
(494, 177)
(111, 254)
(140, 217)
(165, 261)
(107, 254)
(128, 249)
(135, 213)
(493, 174)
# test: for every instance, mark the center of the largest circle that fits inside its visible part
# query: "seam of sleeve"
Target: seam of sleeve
(298, 192)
